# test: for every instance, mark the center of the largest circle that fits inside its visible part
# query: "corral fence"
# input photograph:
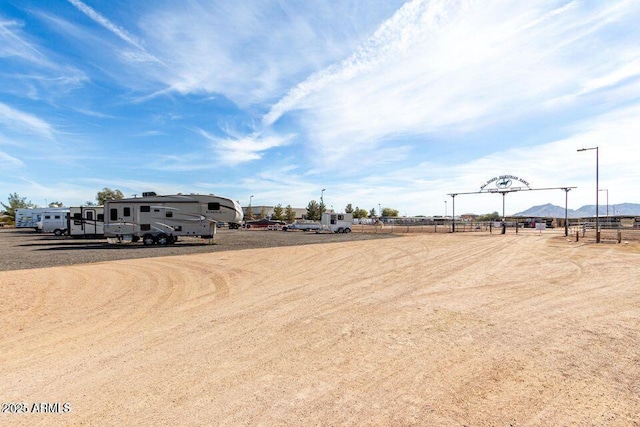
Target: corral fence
(610, 230)
(435, 227)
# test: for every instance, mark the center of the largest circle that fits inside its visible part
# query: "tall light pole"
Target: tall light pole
(597, 190)
(379, 211)
(250, 212)
(445, 208)
(321, 202)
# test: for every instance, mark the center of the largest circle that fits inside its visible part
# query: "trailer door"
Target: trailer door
(90, 221)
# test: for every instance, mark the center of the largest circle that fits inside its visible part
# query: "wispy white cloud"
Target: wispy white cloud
(139, 55)
(151, 133)
(25, 123)
(13, 43)
(234, 150)
(10, 162)
(393, 37)
(46, 73)
(98, 18)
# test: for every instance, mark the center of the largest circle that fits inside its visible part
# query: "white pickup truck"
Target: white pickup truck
(303, 225)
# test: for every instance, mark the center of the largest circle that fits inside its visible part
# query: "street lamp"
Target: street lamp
(379, 211)
(445, 208)
(250, 211)
(321, 202)
(597, 190)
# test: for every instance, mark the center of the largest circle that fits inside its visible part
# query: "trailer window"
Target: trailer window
(214, 206)
(126, 211)
(77, 216)
(47, 217)
(168, 214)
(113, 214)
(145, 208)
(89, 214)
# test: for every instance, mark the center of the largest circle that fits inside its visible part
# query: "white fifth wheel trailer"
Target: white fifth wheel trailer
(161, 219)
(86, 221)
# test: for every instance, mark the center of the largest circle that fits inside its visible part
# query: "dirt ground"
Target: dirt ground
(438, 329)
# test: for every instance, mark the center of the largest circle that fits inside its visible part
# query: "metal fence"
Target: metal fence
(609, 231)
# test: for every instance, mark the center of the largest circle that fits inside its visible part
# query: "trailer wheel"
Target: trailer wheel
(148, 240)
(347, 230)
(162, 239)
(57, 232)
(340, 230)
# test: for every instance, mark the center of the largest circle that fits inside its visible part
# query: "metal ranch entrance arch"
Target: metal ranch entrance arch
(503, 184)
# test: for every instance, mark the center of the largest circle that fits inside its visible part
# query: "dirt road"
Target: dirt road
(418, 330)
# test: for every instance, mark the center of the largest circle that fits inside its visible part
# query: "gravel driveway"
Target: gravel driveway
(24, 249)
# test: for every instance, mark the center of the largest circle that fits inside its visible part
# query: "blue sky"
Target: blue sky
(379, 102)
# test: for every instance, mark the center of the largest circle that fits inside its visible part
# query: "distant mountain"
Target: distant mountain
(550, 210)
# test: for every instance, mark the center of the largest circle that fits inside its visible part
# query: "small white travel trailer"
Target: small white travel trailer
(86, 221)
(161, 219)
(29, 217)
(55, 222)
(337, 222)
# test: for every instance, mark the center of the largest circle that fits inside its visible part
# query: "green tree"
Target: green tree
(56, 204)
(348, 209)
(108, 194)
(388, 212)
(16, 202)
(278, 213)
(372, 213)
(313, 211)
(494, 216)
(290, 214)
(263, 213)
(90, 203)
(360, 213)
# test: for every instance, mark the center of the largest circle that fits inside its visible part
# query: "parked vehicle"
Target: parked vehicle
(264, 223)
(532, 222)
(162, 219)
(53, 222)
(337, 222)
(29, 217)
(86, 221)
(302, 225)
